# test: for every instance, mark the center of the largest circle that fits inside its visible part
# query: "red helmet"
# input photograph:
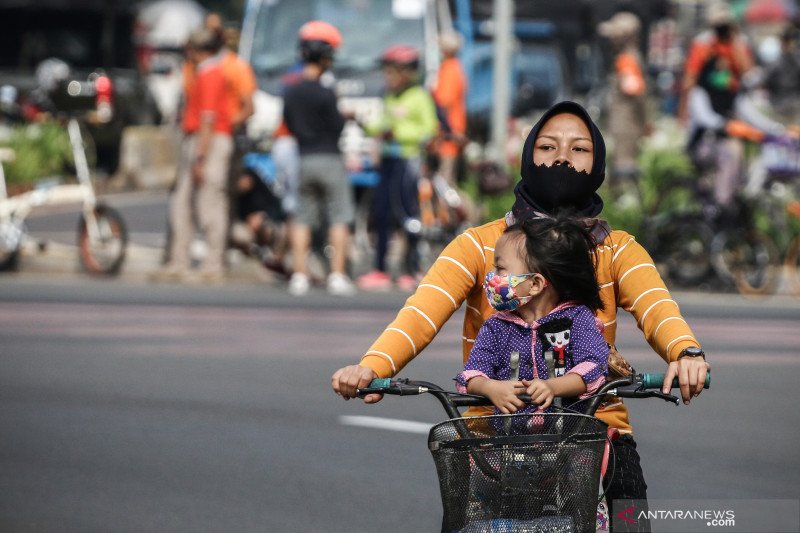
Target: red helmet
(318, 30)
(401, 55)
(318, 40)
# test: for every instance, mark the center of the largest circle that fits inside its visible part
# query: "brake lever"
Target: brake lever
(625, 392)
(666, 397)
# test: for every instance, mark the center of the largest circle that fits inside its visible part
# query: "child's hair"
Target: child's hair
(563, 251)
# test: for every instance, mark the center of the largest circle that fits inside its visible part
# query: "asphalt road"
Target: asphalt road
(133, 407)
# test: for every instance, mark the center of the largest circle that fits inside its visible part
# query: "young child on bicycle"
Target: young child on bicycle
(545, 291)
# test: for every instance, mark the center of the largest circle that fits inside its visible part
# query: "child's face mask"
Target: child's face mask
(501, 290)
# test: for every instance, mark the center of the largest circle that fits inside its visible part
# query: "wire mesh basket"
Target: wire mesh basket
(519, 473)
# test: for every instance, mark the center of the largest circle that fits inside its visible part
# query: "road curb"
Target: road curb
(140, 262)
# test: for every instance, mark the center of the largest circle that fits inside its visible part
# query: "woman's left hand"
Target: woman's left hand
(691, 373)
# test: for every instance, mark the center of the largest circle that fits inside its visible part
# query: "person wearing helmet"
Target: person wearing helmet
(311, 115)
(408, 120)
(627, 116)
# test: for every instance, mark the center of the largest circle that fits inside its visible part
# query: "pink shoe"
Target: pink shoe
(407, 283)
(375, 281)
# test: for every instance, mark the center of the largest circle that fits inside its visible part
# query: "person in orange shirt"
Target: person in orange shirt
(239, 75)
(450, 94)
(201, 189)
(240, 81)
(627, 116)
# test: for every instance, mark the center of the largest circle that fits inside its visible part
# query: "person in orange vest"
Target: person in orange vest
(450, 94)
(627, 116)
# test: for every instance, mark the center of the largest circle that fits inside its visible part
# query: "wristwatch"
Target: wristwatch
(693, 351)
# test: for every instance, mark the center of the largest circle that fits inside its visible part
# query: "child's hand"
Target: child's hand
(540, 391)
(505, 395)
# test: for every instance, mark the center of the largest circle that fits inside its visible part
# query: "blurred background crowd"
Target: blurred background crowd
(698, 101)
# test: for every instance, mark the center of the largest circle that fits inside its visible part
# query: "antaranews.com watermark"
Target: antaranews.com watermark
(685, 516)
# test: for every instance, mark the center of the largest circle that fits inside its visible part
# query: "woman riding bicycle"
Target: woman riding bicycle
(563, 165)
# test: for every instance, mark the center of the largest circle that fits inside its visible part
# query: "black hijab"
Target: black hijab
(541, 188)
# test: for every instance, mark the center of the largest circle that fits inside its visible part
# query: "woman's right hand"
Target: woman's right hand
(346, 380)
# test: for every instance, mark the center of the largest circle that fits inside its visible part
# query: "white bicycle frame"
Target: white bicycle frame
(15, 209)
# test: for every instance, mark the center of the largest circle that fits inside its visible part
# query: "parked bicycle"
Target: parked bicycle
(679, 239)
(521, 473)
(102, 236)
(740, 246)
(770, 205)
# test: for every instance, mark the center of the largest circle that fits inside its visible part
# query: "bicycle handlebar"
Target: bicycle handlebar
(645, 385)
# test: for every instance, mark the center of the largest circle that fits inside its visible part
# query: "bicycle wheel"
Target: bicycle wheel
(9, 260)
(10, 240)
(103, 244)
(748, 259)
(683, 246)
(792, 265)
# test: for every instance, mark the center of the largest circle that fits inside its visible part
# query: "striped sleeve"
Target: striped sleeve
(641, 291)
(441, 292)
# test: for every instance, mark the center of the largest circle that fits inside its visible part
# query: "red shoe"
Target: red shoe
(375, 281)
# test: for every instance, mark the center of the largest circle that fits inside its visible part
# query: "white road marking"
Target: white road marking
(390, 424)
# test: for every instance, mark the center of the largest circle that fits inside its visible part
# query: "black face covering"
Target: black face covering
(560, 187)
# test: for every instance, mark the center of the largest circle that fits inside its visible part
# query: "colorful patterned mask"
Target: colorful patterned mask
(501, 293)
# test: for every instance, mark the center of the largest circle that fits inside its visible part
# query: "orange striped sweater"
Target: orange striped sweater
(627, 276)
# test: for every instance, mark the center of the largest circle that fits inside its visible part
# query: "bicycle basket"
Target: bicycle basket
(519, 473)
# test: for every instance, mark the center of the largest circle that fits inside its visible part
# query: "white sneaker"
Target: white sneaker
(299, 284)
(340, 285)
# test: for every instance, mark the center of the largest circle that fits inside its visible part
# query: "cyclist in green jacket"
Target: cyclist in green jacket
(408, 121)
